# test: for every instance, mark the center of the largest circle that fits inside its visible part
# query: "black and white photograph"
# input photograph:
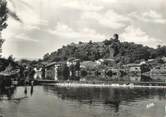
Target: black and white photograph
(82, 58)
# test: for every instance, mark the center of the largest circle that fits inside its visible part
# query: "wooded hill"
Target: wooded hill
(121, 52)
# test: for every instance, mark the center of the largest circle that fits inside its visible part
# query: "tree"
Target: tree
(161, 51)
(45, 57)
(145, 68)
(11, 58)
(3, 14)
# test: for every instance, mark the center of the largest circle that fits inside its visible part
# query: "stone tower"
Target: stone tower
(111, 52)
(113, 48)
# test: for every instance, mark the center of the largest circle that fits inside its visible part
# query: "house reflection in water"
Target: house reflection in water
(38, 73)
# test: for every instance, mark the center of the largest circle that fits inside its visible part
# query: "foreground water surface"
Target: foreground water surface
(52, 101)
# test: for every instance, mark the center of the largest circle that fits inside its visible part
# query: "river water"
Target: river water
(52, 101)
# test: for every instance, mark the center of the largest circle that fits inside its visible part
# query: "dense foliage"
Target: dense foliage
(3, 14)
(4, 63)
(122, 52)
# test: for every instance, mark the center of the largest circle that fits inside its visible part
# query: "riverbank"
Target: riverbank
(109, 84)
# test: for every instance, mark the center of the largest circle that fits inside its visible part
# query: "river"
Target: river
(53, 101)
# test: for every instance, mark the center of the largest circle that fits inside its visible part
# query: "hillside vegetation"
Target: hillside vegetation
(121, 52)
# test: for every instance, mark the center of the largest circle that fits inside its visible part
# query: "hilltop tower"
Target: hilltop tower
(111, 52)
(113, 48)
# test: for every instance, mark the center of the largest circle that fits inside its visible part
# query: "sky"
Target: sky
(47, 25)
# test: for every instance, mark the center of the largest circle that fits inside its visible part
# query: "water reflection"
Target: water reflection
(110, 97)
(25, 91)
(31, 90)
(7, 92)
(80, 102)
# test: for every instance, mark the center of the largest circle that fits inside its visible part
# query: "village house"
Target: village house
(109, 62)
(74, 68)
(164, 59)
(89, 68)
(106, 62)
(99, 62)
(158, 73)
(50, 71)
(133, 67)
(159, 70)
(135, 78)
(89, 65)
(66, 70)
(134, 71)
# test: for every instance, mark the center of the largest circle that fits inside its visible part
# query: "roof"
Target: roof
(109, 60)
(9, 73)
(73, 59)
(89, 64)
(132, 65)
(54, 63)
(51, 64)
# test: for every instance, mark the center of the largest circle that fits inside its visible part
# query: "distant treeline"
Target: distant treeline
(122, 52)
